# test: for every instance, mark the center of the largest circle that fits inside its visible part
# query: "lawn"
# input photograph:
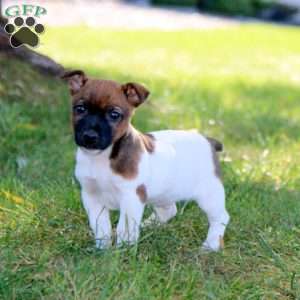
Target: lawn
(240, 85)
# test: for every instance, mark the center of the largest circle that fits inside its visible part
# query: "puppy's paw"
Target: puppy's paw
(103, 244)
(122, 241)
(125, 239)
(151, 220)
(213, 245)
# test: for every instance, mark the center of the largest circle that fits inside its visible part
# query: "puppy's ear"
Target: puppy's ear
(76, 80)
(136, 93)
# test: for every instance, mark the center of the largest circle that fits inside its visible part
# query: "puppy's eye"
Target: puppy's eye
(79, 109)
(114, 115)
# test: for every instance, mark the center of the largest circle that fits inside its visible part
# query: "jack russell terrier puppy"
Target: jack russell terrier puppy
(119, 167)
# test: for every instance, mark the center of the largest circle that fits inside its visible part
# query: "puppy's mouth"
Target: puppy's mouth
(91, 140)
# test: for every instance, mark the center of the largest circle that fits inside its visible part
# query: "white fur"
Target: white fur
(180, 168)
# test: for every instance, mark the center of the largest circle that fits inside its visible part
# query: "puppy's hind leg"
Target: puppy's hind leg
(212, 202)
(161, 214)
(165, 213)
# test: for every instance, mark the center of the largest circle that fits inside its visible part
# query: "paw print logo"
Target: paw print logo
(24, 32)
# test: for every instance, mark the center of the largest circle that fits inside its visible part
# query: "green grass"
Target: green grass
(240, 85)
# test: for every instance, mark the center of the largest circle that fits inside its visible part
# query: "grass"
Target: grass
(240, 85)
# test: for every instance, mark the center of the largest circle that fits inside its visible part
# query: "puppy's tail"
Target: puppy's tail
(218, 146)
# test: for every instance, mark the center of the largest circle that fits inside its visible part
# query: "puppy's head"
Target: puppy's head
(102, 109)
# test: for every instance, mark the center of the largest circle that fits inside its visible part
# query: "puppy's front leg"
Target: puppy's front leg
(98, 218)
(131, 213)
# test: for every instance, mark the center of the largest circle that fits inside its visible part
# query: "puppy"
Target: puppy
(119, 167)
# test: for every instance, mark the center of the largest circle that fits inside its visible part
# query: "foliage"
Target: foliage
(236, 7)
(175, 2)
(227, 7)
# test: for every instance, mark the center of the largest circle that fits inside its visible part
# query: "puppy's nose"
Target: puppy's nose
(90, 137)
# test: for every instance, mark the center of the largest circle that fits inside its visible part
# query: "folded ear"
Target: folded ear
(76, 80)
(135, 93)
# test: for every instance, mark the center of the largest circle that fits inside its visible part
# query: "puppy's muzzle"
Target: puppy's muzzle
(90, 138)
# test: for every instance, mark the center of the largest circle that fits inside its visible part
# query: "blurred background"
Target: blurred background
(164, 14)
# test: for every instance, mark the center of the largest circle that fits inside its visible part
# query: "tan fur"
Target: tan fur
(127, 151)
(142, 193)
(135, 93)
(218, 146)
(103, 94)
(215, 146)
(148, 142)
(76, 80)
(221, 242)
(126, 154)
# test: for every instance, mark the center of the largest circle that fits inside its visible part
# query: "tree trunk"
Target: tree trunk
(2, 19)
(41, 62)
(4, 41)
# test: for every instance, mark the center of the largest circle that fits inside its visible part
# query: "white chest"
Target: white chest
(96, 178)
